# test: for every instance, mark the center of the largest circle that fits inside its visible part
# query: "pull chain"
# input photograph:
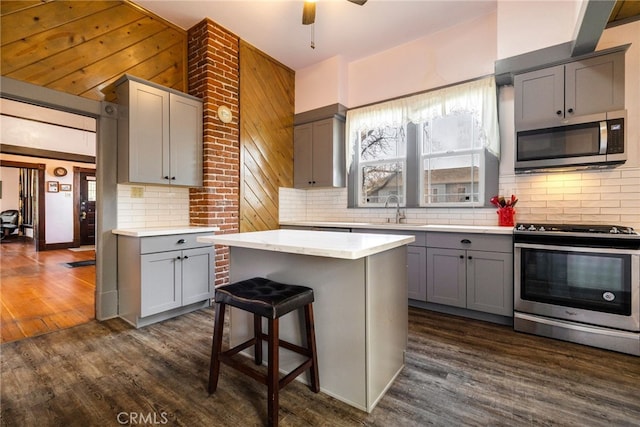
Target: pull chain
(313, 36)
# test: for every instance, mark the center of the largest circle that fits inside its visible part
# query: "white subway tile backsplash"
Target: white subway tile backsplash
(601, 197)
(159, 206)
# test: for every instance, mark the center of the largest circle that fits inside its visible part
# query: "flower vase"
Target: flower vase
(505, 216)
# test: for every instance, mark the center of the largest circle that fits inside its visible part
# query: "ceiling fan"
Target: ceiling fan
(309, 10)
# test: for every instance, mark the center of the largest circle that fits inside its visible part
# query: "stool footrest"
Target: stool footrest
(289, 346)
(293, 374)
(239, 366)
(237, 349)
(259, 376)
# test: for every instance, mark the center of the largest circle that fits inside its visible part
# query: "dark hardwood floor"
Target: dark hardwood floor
(459, 372)
(39, 293)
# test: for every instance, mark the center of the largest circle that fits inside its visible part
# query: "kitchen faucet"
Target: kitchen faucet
(399, 215)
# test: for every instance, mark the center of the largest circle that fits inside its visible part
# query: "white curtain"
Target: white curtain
(478, 96)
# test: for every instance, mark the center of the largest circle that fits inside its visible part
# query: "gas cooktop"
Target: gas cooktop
(574, 228)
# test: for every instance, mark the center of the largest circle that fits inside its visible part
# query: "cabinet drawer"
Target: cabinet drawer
(171, 242)
(480, 242)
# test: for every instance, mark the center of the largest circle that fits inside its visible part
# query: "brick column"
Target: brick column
(213, 76)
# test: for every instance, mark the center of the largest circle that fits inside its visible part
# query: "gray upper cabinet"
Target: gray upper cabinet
(159, 135)
(318, 154)
(551, 96)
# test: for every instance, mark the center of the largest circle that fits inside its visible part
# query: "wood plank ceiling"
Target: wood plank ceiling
(624, 11)
(81, 47)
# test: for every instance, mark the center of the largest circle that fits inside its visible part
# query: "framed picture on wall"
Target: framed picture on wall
(52, 186)
(65, 187)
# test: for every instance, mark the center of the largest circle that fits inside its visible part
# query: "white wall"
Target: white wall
(10, 195)
(322, 84)
(27, 125)
(452, 55)
(458, 53)
(525, 26)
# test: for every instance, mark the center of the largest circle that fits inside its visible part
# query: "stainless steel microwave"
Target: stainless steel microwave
(596, 140)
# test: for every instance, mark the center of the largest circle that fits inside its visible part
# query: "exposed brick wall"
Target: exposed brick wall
(213, 75)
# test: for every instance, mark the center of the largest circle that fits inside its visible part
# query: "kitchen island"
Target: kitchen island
(360, 309)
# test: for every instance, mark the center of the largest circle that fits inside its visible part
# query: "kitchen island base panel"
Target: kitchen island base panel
(140, 322)
(361, 317)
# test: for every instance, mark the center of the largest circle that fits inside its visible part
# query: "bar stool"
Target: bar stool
(272, 300)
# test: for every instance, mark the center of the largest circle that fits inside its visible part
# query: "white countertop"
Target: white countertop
(488, 229)
(163, 231)
(317, 243)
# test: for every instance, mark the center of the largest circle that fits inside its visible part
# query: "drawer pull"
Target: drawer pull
(465, 241)
(182, 241)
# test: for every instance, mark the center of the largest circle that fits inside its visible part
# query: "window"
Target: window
(451, 156)
(438, 148)
(381, 163)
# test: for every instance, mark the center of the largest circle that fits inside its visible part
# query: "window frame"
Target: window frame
(361, 164)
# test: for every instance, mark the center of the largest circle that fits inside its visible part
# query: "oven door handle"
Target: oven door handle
(577, 249)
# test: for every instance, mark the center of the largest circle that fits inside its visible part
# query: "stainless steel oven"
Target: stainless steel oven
(579, 283)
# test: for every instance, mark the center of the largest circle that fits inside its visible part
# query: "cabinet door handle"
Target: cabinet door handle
(185, 257)
(461, 256)
(559, 112)
(470, 257)
(570, 110)
(465, 241)
(178, 257)
(165, 177)
(173, 177)
(181, 241)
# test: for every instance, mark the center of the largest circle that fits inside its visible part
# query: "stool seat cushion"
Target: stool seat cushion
(264, 297)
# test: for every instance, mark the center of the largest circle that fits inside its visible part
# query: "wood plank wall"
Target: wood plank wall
(82, 47)
(267, 90)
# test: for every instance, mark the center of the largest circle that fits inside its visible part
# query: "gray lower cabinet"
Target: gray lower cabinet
(163, 276)
(417, 272)
(416, 260)
(471, 271)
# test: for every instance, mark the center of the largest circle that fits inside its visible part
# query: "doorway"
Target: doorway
(30, 202)
(85, 207)
(46, 286)
(106, 287)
